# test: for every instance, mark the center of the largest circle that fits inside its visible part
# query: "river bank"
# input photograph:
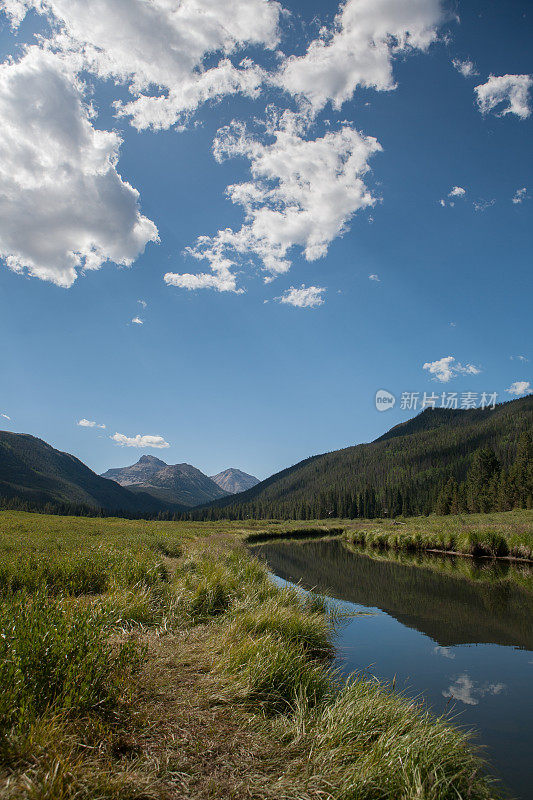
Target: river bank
(213, 681)
(506, 534)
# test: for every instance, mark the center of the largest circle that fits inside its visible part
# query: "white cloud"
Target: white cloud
(143, 303)
(87, 423)
(519, 358)
(466, 691)
(143, 441)
(482, 205)
(304, 297)
(137, 321)
(302, 193)
(158, 48)
(359, 49)
(374, 277)
(63, 206)
(512, 90)
(5, 416)
(466, 67)
(520, 195)
(520, 388)
(457, 191)
(222, 280)
(447, 368)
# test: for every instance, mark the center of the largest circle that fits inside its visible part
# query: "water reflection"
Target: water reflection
(456, 631)
(468, 692)
(432, 595)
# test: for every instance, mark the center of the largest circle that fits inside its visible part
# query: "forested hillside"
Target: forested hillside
(35, 475)
(445, 460)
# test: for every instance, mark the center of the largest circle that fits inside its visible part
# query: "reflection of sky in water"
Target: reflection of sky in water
(485, 687)
(468, 692)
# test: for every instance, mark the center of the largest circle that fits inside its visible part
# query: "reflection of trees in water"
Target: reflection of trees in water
(453, 602)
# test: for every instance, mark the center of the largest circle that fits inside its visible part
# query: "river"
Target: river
(456, 631)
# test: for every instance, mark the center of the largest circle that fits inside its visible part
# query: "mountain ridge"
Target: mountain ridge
(171, 483)
(34, 471)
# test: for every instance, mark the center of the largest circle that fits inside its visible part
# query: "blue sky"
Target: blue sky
(242, 371)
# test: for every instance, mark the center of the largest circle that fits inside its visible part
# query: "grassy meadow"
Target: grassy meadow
(507, 534)
(156, 660)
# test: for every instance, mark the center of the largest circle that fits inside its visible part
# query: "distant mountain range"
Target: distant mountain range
(234, 480)
(401, 472)
(171, 483)
(32, 471)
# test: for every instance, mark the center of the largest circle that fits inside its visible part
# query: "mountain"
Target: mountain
(234, 480)
(33, 471)
(402, 471)
(170, 483)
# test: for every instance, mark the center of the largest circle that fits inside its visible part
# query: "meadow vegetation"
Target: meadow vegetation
(158, 660)
(495, 535)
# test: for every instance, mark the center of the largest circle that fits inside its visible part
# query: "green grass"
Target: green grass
(503, 534)
(372, 744)
(56, 659)
(78, 597)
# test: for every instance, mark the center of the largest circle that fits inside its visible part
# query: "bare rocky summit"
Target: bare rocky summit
(174, 483)
(234, 480)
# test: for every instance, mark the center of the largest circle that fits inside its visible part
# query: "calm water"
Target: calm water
(464, 641)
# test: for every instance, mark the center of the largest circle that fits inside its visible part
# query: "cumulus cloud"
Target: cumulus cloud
(137, 321)
(359, 49)
(158, 48)
(374, 277)
(63, 206)
(520, 195)
(466, 67)
(302, 193)
(456, 192)
(510, 90)
(520, 388)
(447, 368)
(304, 297)
(141, 440)
(468, 692)
(222, 279)
(88, 423)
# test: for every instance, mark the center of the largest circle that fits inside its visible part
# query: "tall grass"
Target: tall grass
(371, 744)
(360, 742)
(75, 598)
(56, 658)
(90, 572)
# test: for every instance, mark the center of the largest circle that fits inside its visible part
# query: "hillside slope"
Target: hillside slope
(33, 471)
(411, 461)
(171, 483)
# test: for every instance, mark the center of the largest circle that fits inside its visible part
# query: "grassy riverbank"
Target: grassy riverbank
(157, 660)
(503, 534)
